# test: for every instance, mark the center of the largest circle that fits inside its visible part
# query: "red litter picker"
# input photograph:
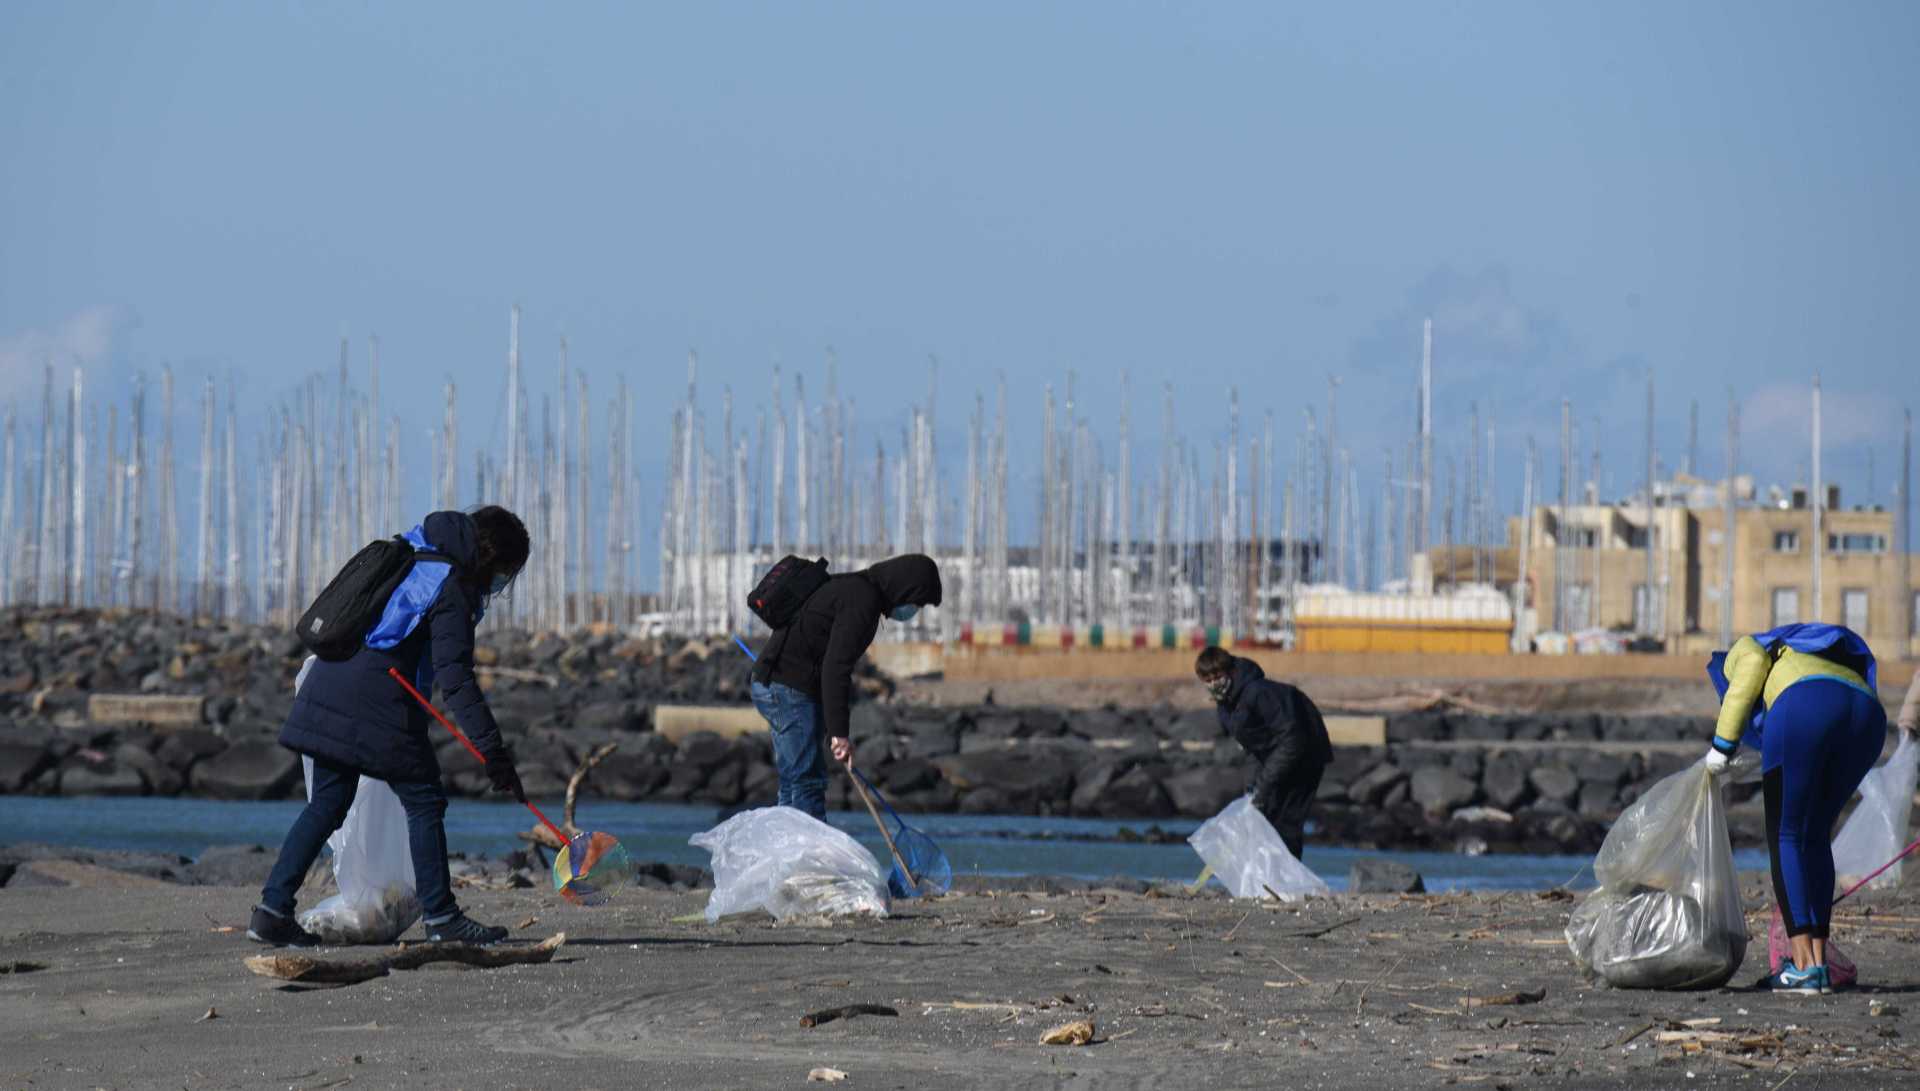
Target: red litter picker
(589, 867)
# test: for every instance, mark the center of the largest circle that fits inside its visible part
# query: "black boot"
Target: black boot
(464, 929)
(275, 930)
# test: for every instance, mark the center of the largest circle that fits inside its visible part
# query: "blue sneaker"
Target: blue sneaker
(1792, 979)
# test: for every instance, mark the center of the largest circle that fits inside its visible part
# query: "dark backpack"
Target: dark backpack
(777, 598)
(334, 627)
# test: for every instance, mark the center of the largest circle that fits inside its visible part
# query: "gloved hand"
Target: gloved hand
(502, 775)
(1717, 761)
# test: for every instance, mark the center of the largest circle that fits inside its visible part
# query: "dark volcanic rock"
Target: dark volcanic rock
(1505, 781)
(79, 778)
(1375, 784)
(1026, 779)
(21, 764)
(1201, 792)
(1090, 786)
(1555, 783)
(252, 769)
(1136, 793)
(1373, 875)
(1439, 790)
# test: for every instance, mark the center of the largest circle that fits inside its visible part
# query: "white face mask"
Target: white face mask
(903, 612)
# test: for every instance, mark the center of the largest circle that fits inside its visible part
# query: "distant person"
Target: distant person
(1280, 729)
(353, 719)
(1819, 727)
(803, 681)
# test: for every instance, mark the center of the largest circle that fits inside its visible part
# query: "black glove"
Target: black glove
(502, 775)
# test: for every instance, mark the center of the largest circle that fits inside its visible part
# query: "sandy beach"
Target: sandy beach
(121, 982)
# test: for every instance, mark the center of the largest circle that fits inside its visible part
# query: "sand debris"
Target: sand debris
(826, 1075)
(309, 970)
(1077, 1033)
(845, 1011)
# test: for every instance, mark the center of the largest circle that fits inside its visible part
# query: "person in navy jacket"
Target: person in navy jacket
(354, 720)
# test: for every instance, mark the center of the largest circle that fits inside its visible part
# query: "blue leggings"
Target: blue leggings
(1822, 736)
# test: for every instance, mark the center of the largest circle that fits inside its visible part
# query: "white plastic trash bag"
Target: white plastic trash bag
(372, 865)
(1667, 914)
(1248, 856)
(1877, 829)
(790, 864)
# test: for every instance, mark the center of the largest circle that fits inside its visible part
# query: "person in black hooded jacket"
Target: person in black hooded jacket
(803, 681)
(353, 719)
(1280, 729)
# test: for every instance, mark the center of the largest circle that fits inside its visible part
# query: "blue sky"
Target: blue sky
(1220, 196)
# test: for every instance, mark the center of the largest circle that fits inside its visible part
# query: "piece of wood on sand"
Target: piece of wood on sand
(540, 834)
(314, 970)
(847, 1011)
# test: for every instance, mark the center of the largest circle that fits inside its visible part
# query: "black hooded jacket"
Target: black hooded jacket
(1274, 722)
(817, 653)
(352, 713)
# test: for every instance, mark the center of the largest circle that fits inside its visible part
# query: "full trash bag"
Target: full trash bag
(1667, 914)
(1877, 829)
(372, 865)
(1248, 856)
(790, 864)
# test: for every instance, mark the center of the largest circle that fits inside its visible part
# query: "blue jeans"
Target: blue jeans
(333, 790)
(798, 741)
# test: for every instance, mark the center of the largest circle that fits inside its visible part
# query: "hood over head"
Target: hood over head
(1245, 673)
(910, 579)
(452, 533)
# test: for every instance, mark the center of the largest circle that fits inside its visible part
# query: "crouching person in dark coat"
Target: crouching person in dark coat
(1280, 729)
(353, 719)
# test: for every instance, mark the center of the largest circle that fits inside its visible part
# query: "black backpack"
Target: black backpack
(777, 598)
(337, 622)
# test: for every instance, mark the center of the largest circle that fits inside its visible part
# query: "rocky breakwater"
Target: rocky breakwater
(210, 699)
(1444, 780)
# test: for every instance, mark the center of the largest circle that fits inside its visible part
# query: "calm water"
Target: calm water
(983, 844)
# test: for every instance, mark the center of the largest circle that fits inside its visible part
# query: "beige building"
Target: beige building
(1588, 566)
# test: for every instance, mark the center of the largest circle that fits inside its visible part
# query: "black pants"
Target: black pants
(1283, 796)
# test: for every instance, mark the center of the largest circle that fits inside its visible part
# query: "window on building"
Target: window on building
(1856, 543)
(1645, 619)
(1786, 541)
(1579, 537)
(1786, 606)
(1853, 609)
(1579, 607)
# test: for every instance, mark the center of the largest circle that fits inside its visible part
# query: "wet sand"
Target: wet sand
(1183, 991)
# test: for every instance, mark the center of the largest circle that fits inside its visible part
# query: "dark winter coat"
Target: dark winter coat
(354, 714)
(1275, 723)
(817, 653)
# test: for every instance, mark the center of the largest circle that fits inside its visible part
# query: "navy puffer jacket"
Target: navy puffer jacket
(352, 713)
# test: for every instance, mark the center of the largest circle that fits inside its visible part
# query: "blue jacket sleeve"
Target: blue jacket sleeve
(450, 622)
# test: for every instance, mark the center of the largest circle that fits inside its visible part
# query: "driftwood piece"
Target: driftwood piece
(312, 970)
(579, 777)
(542, 836)
(1503, 1000)
(845, 1011)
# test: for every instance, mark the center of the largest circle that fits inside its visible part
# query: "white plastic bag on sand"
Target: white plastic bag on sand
(1667, 914)
(1248, 856)
(790, 864)
(1877, 829)
(372, 865)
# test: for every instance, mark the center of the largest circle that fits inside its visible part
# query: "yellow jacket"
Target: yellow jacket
(1754, 675)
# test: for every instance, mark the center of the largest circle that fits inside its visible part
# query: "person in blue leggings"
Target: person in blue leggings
(1804, 696)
